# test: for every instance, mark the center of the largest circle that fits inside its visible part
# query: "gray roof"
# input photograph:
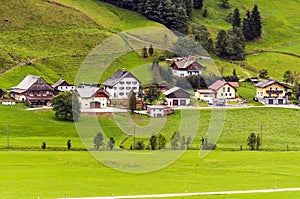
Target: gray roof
(27, 82)
(267, 82)
(172, 90)
(87, 91)
(117, 77)
(59, 82)
(184, 63)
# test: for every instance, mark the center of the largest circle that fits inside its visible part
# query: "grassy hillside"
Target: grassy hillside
(56, 36)
(280, 31)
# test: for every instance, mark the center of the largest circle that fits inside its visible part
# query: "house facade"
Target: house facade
(63, 86)
(33, 90)
(156, 111)
(271, 92)
(120, 84)
(92, 97)
(177, 97)
(223, 90)
(186, 67)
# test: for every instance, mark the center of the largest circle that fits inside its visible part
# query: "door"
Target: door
(95, 105)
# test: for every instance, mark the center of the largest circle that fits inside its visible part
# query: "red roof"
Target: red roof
(234, 84)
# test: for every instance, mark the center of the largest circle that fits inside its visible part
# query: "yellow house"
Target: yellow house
(205, 95)
(271, 92)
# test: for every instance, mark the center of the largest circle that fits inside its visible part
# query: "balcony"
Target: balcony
(274, 91)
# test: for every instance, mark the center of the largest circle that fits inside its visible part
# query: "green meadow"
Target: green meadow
(78, 174)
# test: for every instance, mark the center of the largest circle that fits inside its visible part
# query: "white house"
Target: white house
(63, 86)
(156, 111)
(177, 97)
(186, 67)
(120, 84)
(92, 97)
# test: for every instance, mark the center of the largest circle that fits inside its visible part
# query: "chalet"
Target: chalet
(33, 90)
(63, 86)
(186, 67)
(177, 97)
(120, 84)
(92, 97)
(223, 90)
(271, 92)
(156, 111)
(1, 93)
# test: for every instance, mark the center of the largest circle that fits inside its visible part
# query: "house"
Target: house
(33, 90)
(92, 97)
(205, 95)
(63, 86)
(223, 90)
(1, 93)
(177, 97)
(120, 84)
(271, 92)
(156, 111)
(186, 67)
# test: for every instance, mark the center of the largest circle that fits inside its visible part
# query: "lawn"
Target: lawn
(77, 174)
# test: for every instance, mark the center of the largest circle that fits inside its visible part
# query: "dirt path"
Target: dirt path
(195, 194)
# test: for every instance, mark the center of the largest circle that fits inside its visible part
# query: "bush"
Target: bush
(209, 146)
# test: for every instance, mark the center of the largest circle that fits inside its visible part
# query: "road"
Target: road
(193, 194)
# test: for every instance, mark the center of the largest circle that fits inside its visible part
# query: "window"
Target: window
(134, 82)
(228, 89)
(128, 82)
(230, 94)
(226, 94)
(115, 88)
(222, 94)
(121, 94)
(121, 82)
(121, 88)
(134, 88)
(223, 89)
(128, 88)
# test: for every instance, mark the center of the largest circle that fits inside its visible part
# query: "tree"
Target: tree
(234, 44)
(151, 50)
(256, 22)
(145, 52)
(198, 4)
(251, 141)
(98, 140)
(263, 73)
(152, 93)
(189, 7)
(186, 46)
(161, 140)
(175, 139)
(258, 142)
(221, 43)
(151, 10)
(188, 142)
(287, 76)
(205, 13)
(69, 145)
(111, 143)
(225, 4)
(246, 27)
(156, 78)
(132, 101)
(66, 106)
(236, 19)
(182, 142)
(153, 142)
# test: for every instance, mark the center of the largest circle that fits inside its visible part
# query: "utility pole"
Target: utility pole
(261, 136)
(133, 136)
(8, 136)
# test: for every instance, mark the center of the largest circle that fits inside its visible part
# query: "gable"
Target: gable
(40, 85)
(180, 93)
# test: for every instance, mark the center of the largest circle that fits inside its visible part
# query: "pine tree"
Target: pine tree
(205, 13)
(256, 22)
(151, 10)
(145, 52)
(246, 27)
(151, 50)
(221, 43)
(198, 4)
(236, 19)
(132, 101)
(189, 7)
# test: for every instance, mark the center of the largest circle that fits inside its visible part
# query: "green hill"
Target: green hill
(56, 35)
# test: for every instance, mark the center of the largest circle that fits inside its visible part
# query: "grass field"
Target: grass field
(77, 174)
(279, 128)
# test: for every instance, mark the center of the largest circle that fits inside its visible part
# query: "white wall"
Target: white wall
(123, 88)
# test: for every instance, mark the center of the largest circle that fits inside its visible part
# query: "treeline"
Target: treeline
(172, 13)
